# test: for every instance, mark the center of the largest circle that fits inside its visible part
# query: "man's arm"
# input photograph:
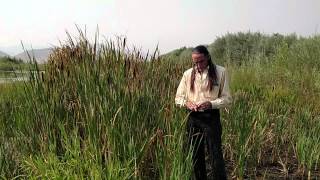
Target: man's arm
(180, 98)
(224, 98)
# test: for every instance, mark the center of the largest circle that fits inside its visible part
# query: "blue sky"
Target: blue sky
(146, 23)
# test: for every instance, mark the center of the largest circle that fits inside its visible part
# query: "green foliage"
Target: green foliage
(181, 55)
(240, 47)
(8, 65)
(111, 114)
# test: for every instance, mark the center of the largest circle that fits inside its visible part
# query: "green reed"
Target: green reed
(102, 111)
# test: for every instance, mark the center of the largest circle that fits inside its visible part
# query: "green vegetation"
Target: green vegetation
(11, 67)
(10, 64)
(111, 114)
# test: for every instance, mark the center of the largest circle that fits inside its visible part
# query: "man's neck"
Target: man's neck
(202, 70)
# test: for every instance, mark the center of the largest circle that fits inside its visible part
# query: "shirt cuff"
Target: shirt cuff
(215, 103)
(181, 103)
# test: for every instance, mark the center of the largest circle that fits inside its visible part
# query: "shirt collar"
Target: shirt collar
(205, 71)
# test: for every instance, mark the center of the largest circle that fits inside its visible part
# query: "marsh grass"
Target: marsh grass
(101, 110)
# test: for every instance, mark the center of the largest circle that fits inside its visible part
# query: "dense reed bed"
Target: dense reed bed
(101, 110)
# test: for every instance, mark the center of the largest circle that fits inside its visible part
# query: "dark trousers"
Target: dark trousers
(204, 128)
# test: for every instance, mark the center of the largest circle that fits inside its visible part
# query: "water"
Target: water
(14, 76)
(15, 79)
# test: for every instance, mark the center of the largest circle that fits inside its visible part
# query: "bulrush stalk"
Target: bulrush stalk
(104, 111)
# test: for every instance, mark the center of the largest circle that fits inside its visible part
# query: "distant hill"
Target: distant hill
(41, 55)
(2, 54)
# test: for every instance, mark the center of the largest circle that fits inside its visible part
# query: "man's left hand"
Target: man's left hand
(204, 106)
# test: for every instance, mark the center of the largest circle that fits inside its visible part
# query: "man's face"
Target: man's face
(200, 61)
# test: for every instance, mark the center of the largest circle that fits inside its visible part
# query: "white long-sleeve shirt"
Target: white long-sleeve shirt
(219, 96)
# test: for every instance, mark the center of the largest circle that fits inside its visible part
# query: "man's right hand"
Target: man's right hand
(192, 106)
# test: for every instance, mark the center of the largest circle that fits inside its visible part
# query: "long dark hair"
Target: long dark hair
(212, 71)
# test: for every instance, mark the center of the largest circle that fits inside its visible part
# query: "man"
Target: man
(203, 90)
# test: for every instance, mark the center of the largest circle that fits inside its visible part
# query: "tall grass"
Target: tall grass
(103, 111)
(100, 114)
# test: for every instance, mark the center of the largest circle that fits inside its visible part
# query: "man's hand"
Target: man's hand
(192, 106)
(204, 106)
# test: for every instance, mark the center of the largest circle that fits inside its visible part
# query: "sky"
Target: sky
(170, 24)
